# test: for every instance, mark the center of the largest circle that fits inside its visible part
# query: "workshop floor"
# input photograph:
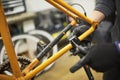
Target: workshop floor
(60, 71)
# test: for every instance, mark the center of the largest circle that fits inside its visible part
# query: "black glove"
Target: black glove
(80, 29)
(101, 57)
(76, 32)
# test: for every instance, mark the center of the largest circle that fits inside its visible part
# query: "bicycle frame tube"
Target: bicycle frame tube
(5, 77)
(64, 7)
(5, 34)
(70, 8)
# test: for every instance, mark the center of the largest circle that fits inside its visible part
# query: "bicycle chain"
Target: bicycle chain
(5, 66)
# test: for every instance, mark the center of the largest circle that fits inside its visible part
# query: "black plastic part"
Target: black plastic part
(82, 63)
(78, 65)
(77, 45)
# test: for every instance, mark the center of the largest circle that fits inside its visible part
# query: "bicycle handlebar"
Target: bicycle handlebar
(78, 65)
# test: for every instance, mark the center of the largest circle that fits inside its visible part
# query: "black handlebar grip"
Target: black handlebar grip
(75, 67)
(79, 64)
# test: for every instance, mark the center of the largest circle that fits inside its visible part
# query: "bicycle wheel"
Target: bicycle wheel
(17, 40)
(21, 47)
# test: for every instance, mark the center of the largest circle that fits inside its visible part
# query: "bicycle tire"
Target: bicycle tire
(19, 37)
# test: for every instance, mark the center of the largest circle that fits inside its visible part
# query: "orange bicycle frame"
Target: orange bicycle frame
(27, 73)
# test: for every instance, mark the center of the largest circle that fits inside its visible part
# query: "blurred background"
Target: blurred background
(35, 23)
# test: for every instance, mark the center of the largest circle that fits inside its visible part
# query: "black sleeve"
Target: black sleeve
(107, 7)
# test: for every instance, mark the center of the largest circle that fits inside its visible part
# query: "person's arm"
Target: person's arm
(102, 9)
(97, 16)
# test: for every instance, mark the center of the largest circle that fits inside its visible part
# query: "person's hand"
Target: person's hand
(101, 57)
(76, 32)
(80, 29)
